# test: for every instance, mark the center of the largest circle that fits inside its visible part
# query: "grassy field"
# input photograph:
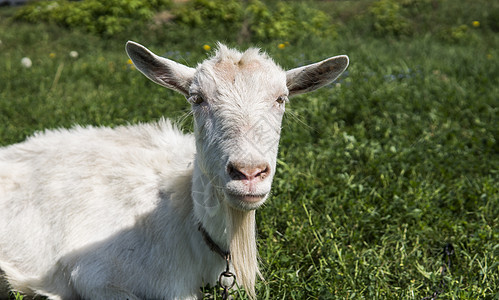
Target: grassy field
(388, 181)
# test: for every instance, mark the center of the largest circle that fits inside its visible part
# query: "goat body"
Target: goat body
(101, 213)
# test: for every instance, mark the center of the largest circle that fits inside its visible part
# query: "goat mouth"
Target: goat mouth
(248, 198)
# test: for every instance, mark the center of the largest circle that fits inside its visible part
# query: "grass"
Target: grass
(377, 174)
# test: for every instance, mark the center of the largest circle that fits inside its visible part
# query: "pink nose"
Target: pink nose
(255, 173)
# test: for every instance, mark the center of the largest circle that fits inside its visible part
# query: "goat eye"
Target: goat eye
(195, 99)
(282, 99)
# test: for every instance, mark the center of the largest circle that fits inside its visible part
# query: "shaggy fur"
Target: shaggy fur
(101, 213)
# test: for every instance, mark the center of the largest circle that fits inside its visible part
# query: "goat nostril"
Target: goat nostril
(264, 172)
(234, 172)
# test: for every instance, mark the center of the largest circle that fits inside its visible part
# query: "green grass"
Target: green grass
(376, 174)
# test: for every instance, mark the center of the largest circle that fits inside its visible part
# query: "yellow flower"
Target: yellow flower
(206, 47)
(52, 55)
(130, 64)
(281, 46)
(489, 56)
(475, 24)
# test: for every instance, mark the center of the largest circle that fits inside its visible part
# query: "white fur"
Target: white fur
(101, 213)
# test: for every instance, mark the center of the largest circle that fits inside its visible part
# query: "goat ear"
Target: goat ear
(163, 71)
(308, 78)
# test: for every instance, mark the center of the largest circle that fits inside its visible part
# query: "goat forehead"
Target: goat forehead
(249, 82)
(230, 69)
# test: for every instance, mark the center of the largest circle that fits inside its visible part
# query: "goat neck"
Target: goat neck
(231, 229)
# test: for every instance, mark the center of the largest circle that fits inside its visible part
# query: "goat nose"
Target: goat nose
(248, 172)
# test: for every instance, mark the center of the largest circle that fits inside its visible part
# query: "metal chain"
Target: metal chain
(448, 251)
(224, 275)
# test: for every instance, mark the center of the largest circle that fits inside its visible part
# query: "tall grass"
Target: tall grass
(377, 174)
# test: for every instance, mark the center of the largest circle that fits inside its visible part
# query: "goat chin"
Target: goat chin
(245, 203)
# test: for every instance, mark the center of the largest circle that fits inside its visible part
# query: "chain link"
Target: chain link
(224, 275)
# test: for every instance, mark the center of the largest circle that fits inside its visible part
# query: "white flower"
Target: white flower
(26, 62)
(73, 54)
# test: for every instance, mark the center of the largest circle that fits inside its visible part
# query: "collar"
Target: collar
(212, 244)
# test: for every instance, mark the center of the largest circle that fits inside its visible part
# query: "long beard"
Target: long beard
(242, 241)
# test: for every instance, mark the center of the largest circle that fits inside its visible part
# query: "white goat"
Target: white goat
(145, 211)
